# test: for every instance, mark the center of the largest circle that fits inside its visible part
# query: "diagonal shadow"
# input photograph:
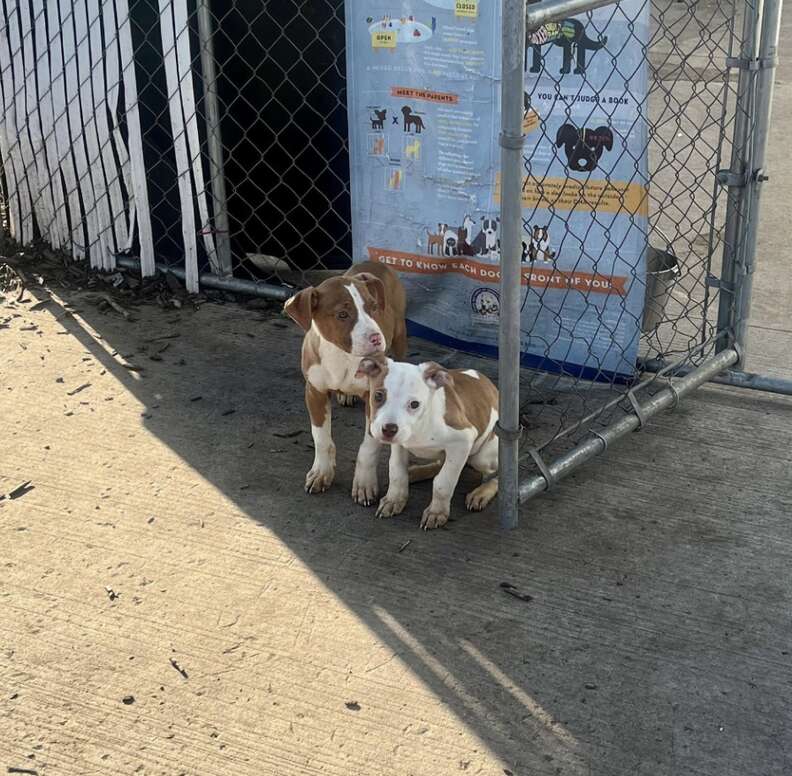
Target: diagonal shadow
(588, 677)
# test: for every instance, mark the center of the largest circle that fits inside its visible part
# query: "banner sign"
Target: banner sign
(424, 114)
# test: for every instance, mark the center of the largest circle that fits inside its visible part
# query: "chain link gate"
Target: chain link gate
(210, 140)
(708, 108)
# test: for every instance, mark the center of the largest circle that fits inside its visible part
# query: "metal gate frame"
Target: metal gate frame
(744, 178)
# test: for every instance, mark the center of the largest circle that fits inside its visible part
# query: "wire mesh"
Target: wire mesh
(689, 107)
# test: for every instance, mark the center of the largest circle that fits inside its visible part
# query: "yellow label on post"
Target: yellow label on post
(384, 39)
(466, 8)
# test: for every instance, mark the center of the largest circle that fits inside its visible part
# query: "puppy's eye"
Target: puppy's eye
(342, 315)
(379, 397)
(414, 404)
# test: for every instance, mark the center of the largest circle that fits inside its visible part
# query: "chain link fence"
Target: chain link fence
(689, 108)
(211, 140)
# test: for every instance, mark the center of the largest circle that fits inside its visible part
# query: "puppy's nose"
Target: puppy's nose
(389, 430)
(376, 340)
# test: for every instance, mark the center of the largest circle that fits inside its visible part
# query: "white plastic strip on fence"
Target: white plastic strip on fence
(166, 8)
(139, 188)
(113, 75)
(16, 119)
(39, 175)
(97, 84)
(60, 224)
(71, 83)
(105, 244)
(65, 155)
(9, 146)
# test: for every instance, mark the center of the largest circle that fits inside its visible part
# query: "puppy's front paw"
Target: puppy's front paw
(318, 480)
(392, 504)
(345, 399)
(479, 498)
(365, 488)
(434, 518)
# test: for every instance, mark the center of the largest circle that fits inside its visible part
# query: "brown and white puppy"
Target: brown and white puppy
(431, 412)
(345, 318)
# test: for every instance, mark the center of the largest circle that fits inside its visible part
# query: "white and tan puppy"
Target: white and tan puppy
(345, 318)
(432, 412)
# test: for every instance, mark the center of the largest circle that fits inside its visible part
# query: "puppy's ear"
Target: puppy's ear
(374, 286)
(300, 308)
(436, 376)
(608, 135)
(371, 367)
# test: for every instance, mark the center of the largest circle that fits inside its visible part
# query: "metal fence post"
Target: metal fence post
(734, 177)
(216, 169)
(767, 59)
(511, 141)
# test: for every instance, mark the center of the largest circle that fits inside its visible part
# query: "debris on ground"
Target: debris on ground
(287, 434)
(404, 546)
(352, 705)
(111, 594)
(12, 769)
(105, 300)
(12, 282)
(128, 700)
(178, 668)
(510, 589)
(21, 490)
(78, 389)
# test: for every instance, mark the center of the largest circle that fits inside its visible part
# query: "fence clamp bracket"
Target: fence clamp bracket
(543, 468)
(731, 179)
(513, 142)
(508, 434)
(762, 63)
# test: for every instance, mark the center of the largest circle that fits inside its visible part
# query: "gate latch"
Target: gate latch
(762, 63)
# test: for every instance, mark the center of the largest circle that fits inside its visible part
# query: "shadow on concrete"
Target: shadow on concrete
(617, 666)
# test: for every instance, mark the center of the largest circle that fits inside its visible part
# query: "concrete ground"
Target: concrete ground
(172, 603)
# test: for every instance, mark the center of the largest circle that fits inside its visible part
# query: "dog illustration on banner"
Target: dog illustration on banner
(412, 150)
(538, 247)
(584, 147)
(451, 240)
(569, 35)
(377, 145)
(395, 179)
(434, 240)
(487, 241)
(378, 119)
(412, 120)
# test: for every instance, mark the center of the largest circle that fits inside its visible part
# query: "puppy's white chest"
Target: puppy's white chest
(427, 453)
(335, 371)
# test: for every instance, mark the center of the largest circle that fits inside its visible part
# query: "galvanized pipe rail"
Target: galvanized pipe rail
(511, 141)
(554, 10)
(735, 378)
(600, 440)
(516, 20)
